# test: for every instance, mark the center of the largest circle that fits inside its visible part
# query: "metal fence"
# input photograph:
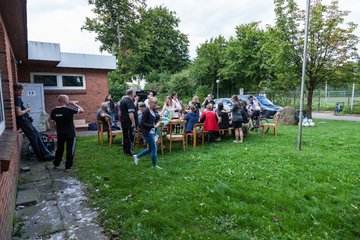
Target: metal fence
(321, 99)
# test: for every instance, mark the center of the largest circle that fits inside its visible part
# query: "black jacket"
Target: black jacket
(148, 121)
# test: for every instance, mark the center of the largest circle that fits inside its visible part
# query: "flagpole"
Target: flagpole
(303, 74)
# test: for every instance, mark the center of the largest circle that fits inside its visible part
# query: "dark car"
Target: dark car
(143, 94)
(225, 101)
(268, 109)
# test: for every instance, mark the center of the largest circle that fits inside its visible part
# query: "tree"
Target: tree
(244, 58)
(205, 69)
(331, 44)
(160, 46)
(113, 23)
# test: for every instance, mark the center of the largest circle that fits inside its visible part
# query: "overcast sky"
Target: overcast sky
(60, 21)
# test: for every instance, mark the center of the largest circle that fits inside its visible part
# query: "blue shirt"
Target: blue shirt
(191, 119)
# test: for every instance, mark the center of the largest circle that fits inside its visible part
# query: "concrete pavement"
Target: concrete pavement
(51, 204)
(331, 116)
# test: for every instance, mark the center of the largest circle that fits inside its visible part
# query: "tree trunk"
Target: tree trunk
(309, 102)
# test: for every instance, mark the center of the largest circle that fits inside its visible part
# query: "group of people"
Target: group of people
(133, 114)
(214, 120)
(63, 117)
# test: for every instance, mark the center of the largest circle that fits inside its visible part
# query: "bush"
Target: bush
(356, 109)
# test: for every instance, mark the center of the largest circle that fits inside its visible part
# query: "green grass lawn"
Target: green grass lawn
(262, 189)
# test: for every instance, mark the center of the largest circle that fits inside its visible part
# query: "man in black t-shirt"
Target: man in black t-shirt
(63, 115)
(23, 121)
(128, 121)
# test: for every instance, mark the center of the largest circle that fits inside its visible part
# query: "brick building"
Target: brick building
(82, 76)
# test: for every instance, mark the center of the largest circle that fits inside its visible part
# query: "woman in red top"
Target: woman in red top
(210, 121)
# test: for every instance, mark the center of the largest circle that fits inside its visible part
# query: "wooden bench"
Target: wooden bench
(80, 123)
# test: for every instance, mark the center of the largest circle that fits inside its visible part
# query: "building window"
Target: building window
(56, 81)
(47, 80)
(72, 81)
(2, 114)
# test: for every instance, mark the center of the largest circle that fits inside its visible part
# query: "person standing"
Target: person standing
(176, 105)
(24, 121)
(148, 125)
(128, 121)
(63, 115)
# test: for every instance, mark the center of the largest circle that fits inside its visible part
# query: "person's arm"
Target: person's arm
(163, 110)
(20, 112)
(132, 119)
(74, 104)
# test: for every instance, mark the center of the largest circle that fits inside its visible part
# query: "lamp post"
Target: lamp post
(217, 88)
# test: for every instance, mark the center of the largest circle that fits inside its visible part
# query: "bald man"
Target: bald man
(63, 115)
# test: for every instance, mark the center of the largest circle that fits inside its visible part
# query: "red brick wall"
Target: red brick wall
(8, 179)
(8, 76)
(96, 88)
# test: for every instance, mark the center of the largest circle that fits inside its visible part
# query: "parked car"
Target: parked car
(268, 109)
(225, 101)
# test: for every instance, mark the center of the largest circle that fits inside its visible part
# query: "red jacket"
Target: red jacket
(210, 121)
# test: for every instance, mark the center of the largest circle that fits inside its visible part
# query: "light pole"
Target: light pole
(217, 88)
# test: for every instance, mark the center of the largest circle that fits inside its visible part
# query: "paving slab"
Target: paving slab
(62, 210)
(26, 197)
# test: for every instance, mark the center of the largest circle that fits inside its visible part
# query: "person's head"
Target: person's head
(131, 93)
(18, 89)
(63, 99)
(104, 106)
(142, 106)
(235, 98)
(168, 101)
(243, 104)
(195, 99)
(152, 102)
(192, 108)
(220, 107)
(151, 94)
(108, 98)
(209, 97)
(250, 98)
(174, 95)
(209, 107)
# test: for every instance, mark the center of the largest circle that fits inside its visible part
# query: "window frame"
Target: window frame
(59, 80)
(2, 112)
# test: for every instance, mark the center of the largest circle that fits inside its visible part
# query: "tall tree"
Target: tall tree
(331, 43)
(244, 58)
(205, 69)
(160, 45)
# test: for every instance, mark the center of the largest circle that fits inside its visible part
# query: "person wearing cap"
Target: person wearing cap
(24, 121)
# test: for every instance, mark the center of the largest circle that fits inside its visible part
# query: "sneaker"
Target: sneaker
(236, 141)
(240, 141)
(157, 167)
(218, 139)
(136, 160)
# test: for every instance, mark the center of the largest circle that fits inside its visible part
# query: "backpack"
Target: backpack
(93, 126)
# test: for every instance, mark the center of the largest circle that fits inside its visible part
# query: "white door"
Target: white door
(34, 96)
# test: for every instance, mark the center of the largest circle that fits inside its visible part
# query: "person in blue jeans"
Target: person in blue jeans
(149, 122)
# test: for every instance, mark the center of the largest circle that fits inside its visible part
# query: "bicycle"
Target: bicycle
(258, 121)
